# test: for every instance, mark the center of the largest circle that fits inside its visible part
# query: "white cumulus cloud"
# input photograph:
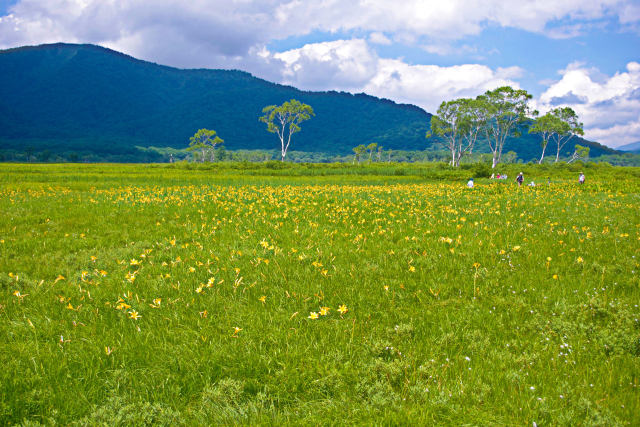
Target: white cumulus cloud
(609, 106)
(236, 34)
(379, 38)
(352, 65)
(230, 28)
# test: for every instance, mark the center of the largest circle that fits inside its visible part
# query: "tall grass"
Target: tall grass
(170, 295)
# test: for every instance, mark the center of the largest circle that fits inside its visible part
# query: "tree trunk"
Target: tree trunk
(494, 163)
(544, 147)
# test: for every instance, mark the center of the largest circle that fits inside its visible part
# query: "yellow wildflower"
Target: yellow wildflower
(122, 305)
(19, 295)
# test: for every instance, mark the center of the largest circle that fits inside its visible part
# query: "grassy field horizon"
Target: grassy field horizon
(271, 293)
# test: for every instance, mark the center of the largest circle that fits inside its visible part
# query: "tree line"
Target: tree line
(458, 124)
(283, 120)
(498, 114)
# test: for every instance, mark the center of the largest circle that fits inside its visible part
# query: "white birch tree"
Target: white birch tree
(284, 120)
(546, 126)
(458, 123)
(568, 126)
(204, 140)
(505, 108)
(446, 125)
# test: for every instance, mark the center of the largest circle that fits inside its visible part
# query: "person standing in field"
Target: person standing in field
(470, 183)
(581, 178)
(520, 179)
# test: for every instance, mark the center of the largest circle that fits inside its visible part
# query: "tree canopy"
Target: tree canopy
(567, 126)
(545, 126)
(284, 120)
(504, 108)
(204, 141)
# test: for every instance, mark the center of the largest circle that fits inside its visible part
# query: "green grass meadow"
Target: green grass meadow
(318, 294)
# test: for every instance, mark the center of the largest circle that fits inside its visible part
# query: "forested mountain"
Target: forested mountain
(88, 99)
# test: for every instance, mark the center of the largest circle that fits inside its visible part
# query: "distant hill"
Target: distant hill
(89, 99)
(634, 147)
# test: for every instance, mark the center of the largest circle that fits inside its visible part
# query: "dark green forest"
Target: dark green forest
(65, 102)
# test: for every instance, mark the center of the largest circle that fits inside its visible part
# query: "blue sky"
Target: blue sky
(4, 6)
(609, 50)
(584, 54)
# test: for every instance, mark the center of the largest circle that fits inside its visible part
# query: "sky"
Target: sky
(584, 54)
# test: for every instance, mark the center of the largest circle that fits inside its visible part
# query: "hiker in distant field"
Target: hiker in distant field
(581, 178)
(520, 179)
(470, 183)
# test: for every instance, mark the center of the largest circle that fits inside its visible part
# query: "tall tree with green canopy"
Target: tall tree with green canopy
(546, 126)
(204, 140)
(504, 108)
(568, 126)
(472, 121)
(458, 122)
(445, 124)
(358, 151)
(284, 120)
(371, 148)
